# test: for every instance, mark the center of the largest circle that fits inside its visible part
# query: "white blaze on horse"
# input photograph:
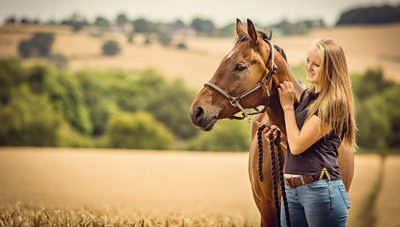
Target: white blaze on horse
(248, 77)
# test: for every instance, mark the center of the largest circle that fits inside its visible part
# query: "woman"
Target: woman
(321, 120)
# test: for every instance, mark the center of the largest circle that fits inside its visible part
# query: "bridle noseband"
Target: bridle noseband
(235, 100)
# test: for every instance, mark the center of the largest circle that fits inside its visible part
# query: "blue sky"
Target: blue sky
(220, 11)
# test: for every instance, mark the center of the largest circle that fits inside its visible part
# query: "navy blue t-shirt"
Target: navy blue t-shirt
(323, 153)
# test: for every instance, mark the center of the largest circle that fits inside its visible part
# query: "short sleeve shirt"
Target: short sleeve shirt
(323, 153)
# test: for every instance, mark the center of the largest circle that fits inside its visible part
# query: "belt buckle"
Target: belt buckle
(291, 181)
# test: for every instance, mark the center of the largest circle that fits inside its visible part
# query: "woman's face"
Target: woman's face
(313, 65)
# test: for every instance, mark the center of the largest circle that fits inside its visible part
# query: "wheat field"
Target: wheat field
(153, 188)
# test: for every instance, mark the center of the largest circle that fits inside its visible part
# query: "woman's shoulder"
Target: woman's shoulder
(308, 94)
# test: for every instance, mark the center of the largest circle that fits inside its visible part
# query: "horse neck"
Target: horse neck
(274, 109)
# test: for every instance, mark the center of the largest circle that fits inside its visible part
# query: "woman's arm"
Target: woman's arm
(299, 140)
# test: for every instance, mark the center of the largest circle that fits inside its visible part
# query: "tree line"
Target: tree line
(370, 15)
(206, 27)
(197, 26)
(41, 105)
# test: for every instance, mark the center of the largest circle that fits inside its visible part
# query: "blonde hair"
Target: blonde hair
(335, 103)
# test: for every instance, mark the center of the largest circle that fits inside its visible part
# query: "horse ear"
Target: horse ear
(252, 31)
(239, 27)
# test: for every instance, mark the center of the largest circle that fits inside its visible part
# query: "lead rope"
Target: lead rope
(273, 144)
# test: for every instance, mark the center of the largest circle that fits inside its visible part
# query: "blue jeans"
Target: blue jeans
(322, 203)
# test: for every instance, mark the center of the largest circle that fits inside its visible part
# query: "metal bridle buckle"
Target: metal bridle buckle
(234, 101)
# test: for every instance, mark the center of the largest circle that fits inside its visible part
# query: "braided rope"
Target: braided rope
(274, 180)
(274, 143)
(260, 151)
(280, 166)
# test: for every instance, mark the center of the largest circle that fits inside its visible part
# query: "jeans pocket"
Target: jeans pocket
(318, 185)
(345, 196)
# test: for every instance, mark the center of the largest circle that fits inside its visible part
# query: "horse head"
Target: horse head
(247, 77)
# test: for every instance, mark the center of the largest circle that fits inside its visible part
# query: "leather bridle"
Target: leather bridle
(235, 100)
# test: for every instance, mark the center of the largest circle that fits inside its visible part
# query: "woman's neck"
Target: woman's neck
(317, 88)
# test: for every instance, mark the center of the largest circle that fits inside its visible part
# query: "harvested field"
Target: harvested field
(130, 186)
(387, 206)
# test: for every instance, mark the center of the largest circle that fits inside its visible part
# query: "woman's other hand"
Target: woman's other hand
(268, 131)
(286, 95)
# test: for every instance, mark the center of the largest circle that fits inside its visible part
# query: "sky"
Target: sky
(221, 12)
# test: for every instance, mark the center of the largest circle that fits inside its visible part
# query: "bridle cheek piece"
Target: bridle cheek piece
(235, 100)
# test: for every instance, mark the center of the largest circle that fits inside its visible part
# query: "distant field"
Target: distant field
(367, 46)
(388, 205)
(148, 185)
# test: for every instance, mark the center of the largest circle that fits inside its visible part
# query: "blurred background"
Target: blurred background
(95, 97)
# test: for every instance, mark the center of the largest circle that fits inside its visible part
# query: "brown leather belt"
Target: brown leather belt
(293, 182)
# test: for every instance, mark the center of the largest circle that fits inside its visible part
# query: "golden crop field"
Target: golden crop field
(154, 187)
(388, 206)
(365, 46)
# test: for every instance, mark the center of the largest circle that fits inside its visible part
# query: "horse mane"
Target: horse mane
(264, 36)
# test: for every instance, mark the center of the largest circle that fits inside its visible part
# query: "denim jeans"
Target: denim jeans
(322, 203)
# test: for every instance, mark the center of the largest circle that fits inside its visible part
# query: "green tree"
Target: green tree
(171, 107)
(42, 42)
(77, 22)
(227, 135)
(11, 75)
(64, 93)
(377, 115)
(370, 83)
(39, 45)
(139, 130)
(121, 20)
(101, 91)
(391, 99)
(164, 38)
(29, 119)
(25, 49)
(101, 22)
(203, 26)
(142, 25)
(227, 30)
(370, 15)
(374, 127)
(59, 60)
(111, 48)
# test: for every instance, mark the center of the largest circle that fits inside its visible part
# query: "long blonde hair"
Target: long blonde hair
(335, 103)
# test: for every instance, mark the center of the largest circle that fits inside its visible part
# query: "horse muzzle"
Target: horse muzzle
(203, 120)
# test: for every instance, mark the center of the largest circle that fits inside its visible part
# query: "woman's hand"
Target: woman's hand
(270, 130)
(286, 95)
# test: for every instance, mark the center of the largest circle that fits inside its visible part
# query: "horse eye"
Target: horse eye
(240, 67)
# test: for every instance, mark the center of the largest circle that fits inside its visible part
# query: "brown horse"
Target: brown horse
(248, 77)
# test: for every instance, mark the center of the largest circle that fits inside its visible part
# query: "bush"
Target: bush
(25, 49)
(59, 61)
(164, 38)
(227, 135)
(139, 130)
(39, 45)
(171, 105)
(64, 93)
(11, 75)
(111, 48)
(29, 119)
(181, 46)
(376, 109)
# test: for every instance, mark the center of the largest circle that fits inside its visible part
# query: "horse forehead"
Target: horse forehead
(231, 54)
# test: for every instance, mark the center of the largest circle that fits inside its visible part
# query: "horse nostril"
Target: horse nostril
(199, 113)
